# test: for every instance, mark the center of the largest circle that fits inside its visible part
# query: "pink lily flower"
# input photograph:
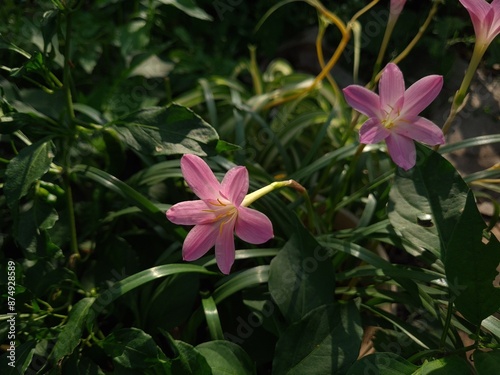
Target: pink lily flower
(485, 18)
(393, 116)
(218, 214)
(397, 7)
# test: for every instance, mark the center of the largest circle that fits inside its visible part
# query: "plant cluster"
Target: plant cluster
(170, 207)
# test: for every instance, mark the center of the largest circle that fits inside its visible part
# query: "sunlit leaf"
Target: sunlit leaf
(167, 130)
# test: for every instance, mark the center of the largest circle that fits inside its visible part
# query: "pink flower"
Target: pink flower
(485, 18)
(218, 213)
(393, 116)
(397, 7)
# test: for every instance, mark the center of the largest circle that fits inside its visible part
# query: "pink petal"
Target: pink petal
(199, 177)
(421, 130)
(397, 6)
(234, 186)
(372, 131)
(224, 246)
(421, 94)
(363, 100)
(253, 226)
(191, 213)
(199, 240)
(402, 150)
(391, 87)
(477, 7)
(478, 11)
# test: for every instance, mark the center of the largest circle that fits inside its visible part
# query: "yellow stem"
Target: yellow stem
(252, 197)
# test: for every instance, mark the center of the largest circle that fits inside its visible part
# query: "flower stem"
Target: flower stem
(71, 216)
(459, 98)
(66, 72)
(252, 197)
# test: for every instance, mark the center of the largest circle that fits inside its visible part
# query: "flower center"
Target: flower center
(222, 209)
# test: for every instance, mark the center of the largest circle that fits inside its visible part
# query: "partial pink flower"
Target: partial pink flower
(397, 7)
(393, 116)
(485, 18)
(218, 213)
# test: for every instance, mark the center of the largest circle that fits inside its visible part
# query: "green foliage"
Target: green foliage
(99, 100)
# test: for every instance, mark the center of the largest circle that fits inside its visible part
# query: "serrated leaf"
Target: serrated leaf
(382, 364)
(24, 169)
(301, 276)
(167, 131)
(71, 334)
(225, 357)
(325, 341)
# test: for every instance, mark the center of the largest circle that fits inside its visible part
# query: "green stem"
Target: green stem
(71, 215)
(447, 323)
(459, 99)
(385, 42)
(67, 75)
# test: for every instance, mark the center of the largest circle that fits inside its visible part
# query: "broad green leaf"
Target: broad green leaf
(24, 169)
(472, 266)
(301, 276)
(444, 366)
(426, 201)
(189, 7)
(487, 363)
(325, 341)
(188, 360)
(167, 131)
(225, 357)
(382, 364)
(71, 334)
(132, 348)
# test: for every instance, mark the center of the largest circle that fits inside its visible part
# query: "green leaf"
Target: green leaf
(325, 341)
(124, 286)
(189, 7)
(167, 131)
(24, 169)
(487, 363)
(445, 366)
(40, 216)
(426, 202)
(188, 361)
(17, 364)
(226, 358)
(133, 196)
(453, 229)
(71, 334)
(472, 266)
(301, 276)
(382, 364)
(132, 348)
